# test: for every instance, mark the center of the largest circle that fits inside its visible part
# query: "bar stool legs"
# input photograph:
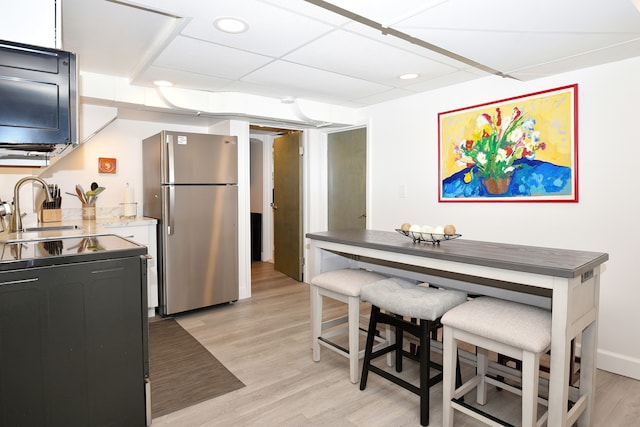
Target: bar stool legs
(340, 285)
(422, 332)
(408, 301)
(481, 323)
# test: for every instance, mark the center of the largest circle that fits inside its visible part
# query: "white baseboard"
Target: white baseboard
(619, 364)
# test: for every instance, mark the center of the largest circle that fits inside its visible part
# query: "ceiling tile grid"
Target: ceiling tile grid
(345, 52)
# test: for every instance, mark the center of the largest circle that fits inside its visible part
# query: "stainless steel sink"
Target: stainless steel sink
(51, 228)
(42, 233)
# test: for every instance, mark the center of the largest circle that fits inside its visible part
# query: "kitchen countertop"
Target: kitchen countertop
(57, 242)
(125, 222)
(19, 255)
(73, 228)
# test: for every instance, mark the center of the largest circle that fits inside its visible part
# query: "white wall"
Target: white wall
(403, 138)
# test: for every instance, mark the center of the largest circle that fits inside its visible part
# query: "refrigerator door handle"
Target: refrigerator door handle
(171, 196)
(171, 172)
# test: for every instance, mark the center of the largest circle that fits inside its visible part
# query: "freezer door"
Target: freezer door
(192, 158)
(200, 247)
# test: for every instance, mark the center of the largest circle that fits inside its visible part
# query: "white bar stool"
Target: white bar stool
(520, 331)
(342, 285)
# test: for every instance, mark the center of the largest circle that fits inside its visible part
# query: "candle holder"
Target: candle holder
(129, 210)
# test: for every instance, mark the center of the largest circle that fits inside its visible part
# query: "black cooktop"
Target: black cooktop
(36, 253)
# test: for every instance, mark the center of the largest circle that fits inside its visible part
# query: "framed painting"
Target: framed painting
(107, 164)
(521, 149)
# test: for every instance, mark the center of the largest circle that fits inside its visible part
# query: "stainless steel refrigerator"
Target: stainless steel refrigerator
(190, 186)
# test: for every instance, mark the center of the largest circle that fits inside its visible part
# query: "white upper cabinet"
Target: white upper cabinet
(33, 22)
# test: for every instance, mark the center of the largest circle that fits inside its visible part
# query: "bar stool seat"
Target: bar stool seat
(519, 331)
(401, 298)
(342, 285)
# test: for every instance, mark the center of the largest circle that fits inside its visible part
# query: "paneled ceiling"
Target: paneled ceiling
(345, 52)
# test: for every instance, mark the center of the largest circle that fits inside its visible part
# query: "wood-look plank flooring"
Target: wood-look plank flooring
(265, 342)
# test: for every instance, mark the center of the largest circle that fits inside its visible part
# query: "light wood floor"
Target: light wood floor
(265, 342)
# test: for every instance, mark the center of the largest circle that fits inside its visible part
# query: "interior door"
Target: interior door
(287, 204)
(347, 179)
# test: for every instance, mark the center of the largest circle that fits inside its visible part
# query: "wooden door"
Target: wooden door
(287, 204)
(347, 179)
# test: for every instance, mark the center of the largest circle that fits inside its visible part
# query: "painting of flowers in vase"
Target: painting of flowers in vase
(521, 149)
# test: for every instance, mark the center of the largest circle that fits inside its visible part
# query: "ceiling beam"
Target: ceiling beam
(404, 36)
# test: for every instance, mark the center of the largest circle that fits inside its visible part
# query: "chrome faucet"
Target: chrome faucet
(16, 218)
(5, 209)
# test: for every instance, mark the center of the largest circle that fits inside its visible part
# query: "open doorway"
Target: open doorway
(276, 198)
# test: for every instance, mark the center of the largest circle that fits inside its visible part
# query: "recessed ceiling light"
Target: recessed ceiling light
(409, 76)
(162, 83)
(231, 25)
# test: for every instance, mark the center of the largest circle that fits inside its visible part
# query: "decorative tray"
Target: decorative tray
(433, 238)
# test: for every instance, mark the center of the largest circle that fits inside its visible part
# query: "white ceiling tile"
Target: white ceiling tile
(402, 45)
(180, 78)
(208, 58)
(89, 31)
(567, 46)
(388, 95)
(443, 80)
(541, 16)
(512, 51)
(612, 54)
(273, 37)
(321, 85)
(345, 53)
(384, 11)
(309, 10)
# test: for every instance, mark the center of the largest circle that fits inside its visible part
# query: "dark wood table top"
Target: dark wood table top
(564, 263)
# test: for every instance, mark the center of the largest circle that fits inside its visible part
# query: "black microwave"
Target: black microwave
(38, 100)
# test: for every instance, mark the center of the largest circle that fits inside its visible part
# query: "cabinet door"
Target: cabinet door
(71, 345)
(22, 344)
(144, 235)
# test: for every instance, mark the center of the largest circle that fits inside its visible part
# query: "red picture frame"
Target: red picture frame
(519, 149)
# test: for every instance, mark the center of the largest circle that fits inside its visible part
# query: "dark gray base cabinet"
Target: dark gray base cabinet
(71, 345)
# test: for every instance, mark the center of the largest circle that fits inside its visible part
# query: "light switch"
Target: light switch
(402, 192)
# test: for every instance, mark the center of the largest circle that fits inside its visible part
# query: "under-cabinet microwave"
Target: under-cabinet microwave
(38, 101)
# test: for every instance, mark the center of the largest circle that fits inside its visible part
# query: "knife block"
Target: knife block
(51, 215)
